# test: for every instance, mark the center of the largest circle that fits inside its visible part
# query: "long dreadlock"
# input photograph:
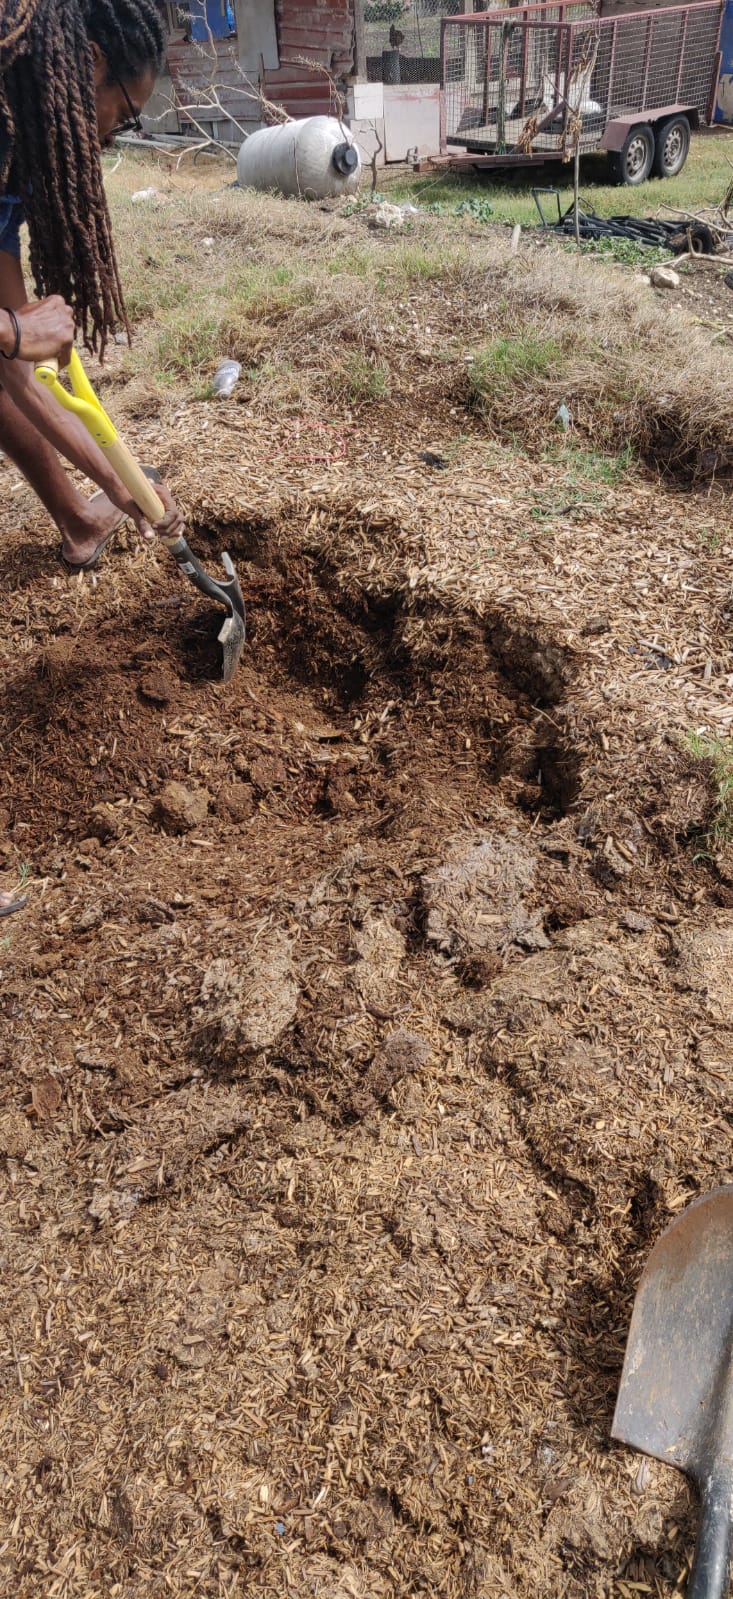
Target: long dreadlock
(48, 115)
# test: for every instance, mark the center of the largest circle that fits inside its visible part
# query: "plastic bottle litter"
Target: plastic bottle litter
(226, 378)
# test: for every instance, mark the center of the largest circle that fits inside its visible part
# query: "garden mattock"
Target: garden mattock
(676, 1394)
(84, 403)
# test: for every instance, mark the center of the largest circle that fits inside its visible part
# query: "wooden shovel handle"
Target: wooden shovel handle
(135, 481)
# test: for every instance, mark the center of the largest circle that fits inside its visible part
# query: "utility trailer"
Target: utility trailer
(522, 85)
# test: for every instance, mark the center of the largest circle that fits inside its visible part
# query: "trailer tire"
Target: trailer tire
(672, 143)
(632, 164)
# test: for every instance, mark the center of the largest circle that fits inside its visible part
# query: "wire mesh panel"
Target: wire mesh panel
(525, 81)
(402, 38)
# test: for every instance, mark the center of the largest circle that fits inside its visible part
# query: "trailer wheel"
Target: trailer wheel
(633, 164)
(672, 144)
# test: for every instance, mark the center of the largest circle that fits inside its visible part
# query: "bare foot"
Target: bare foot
(82, 536)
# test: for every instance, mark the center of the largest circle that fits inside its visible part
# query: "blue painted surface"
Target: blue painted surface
(211, 17)
(724, 97)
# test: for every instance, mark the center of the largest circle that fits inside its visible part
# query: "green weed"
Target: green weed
(711, 537)
(718, 753)
(361, 380)
(418, 265)
(623, 250)
(592, 466)
(508, 362)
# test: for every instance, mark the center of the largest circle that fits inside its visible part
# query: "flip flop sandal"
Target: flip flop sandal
(17, 903)
(73, 567)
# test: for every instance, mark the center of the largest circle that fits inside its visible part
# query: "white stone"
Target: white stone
(665, 278)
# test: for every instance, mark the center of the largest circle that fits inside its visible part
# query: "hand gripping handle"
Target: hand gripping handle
(83, 403)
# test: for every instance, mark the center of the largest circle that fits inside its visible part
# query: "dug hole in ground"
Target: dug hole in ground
(372, 1014)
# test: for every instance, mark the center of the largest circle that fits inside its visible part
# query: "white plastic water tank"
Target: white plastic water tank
(314, 158)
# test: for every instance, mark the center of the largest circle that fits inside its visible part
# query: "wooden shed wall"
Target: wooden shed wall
(321, 33)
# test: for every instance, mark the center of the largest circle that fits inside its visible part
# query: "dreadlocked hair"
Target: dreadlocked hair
(49, 119)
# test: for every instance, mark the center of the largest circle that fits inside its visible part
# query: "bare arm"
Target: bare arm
(63, 430)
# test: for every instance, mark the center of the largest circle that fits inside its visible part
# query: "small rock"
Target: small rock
(91, 917)
(89, 847)
(45, 1097)
(142, 195)
(15, 1135)
(226, 378)
(636, 923)
(401, 1054)
(249, 1005)
(386, 216)
(665, 278)
(179, 809)
(268, 772)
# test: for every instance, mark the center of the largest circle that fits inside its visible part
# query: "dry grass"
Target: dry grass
(322, 312)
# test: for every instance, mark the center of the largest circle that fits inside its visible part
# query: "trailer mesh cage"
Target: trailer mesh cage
(521, 82)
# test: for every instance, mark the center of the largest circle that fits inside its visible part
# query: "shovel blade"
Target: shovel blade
(676, 1395)
(232, 639)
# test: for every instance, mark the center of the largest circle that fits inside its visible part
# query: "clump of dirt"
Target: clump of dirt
(250, 1005)
(180, 809)
(476, 901)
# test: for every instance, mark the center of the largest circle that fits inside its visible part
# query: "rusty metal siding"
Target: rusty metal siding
(322, 33)
(319, 35)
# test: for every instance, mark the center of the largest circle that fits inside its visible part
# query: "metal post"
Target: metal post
(681, 57)
(647, 55)
(360, 57)
(390, 66)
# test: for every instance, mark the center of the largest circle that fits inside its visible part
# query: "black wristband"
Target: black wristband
(16, 325)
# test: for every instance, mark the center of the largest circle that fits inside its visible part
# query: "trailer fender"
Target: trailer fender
(617, 131)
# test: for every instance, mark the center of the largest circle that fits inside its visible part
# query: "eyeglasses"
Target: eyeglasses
(133, 123)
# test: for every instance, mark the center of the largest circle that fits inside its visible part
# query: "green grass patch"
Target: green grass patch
(718, 753)
(702, 182)
(592, 466)
(507, 362)
(351, 263)
(418, 265)
(361, 380)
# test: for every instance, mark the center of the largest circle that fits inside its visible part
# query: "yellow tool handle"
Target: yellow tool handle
(83, 403)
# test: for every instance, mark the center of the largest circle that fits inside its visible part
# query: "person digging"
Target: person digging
(73, 73)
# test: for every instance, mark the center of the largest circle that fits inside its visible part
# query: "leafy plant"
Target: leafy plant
(625, 251)
(712, 538)
(479, 209)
